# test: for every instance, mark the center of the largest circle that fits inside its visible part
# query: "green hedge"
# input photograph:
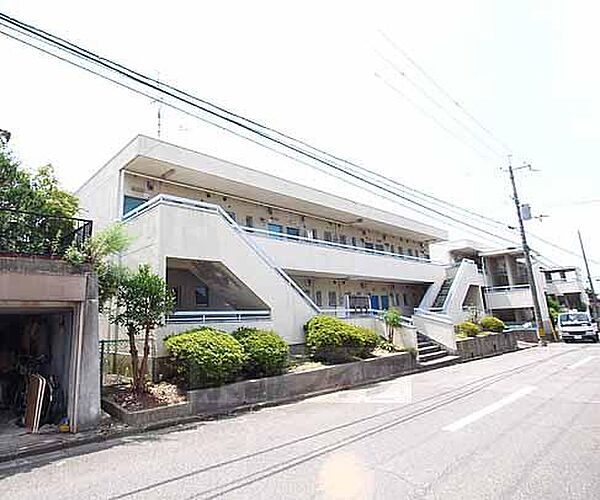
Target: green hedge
(492, 324)
(206, 357)
(266, 352)
(467, 329)
(333, 340)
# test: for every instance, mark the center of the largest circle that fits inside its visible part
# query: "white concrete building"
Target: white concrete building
(241, 246)
(507, 293)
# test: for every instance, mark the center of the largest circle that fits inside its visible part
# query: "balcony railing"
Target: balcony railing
(505, 289)
(331, 244)
(360, 312)
(235, 316)
(30, 233)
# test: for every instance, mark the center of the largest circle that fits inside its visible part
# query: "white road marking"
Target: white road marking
(581, 362)
(473, 417)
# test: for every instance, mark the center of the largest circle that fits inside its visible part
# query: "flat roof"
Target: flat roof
(156, 158)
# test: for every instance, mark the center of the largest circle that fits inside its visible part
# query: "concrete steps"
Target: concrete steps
(431, 355)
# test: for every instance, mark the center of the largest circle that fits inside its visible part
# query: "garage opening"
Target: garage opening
(35, 352)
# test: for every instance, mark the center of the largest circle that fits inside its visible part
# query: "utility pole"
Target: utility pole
(537, 311)
(593, 298)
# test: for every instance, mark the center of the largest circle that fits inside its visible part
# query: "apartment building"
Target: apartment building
(237, 245)
(507, 293)
(567, 287)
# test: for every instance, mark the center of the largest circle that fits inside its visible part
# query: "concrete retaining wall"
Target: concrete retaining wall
(270, 390)
(490, 345)
(526, 335)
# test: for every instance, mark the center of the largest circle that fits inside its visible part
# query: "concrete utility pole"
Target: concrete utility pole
(537, 311)
(593, 297)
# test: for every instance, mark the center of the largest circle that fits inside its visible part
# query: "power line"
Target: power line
(432, 117)
(72, 49)
(443, 91)
(245, 127)
(438, 104)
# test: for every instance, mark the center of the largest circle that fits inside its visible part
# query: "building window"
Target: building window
(327, 235)
(319, 298)
(332, 299)
(368, 245)
(392, 248)
(379, 247)
(410, 252)
(292, 231)
(404, 298)
(274, 228)
(249, 221)
(353, 241)
(343, 240)
(313, 234)
(201, 295)
(400, 251)
(131, 202)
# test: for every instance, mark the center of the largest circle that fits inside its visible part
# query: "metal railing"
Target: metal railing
(30, 233)
(332, 244)
(358, 312)
(203, 317)
(501, 289)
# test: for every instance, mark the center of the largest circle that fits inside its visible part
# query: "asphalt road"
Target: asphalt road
(522, 425)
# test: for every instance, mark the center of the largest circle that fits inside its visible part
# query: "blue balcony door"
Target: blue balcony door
(385, 302)
(375, 302)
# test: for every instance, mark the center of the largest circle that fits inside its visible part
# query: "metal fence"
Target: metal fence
(115, 361)
(30, 233)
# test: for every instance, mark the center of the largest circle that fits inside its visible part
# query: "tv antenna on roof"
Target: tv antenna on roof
(159, 109)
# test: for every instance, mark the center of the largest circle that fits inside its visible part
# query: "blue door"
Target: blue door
(385, 302)
(375, 302)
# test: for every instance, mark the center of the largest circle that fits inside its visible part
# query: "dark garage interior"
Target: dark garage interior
(33, 343)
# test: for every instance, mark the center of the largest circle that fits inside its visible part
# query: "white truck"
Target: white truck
(577, 326)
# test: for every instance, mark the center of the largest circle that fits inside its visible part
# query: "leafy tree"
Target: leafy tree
(393, 320)
(143, 300)
(37, 192)
(105, 244)
(554, 308)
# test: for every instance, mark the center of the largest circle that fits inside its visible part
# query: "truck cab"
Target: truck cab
(577, 326)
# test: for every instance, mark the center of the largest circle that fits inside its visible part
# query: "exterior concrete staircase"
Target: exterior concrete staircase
(431, 355)
(440, 299)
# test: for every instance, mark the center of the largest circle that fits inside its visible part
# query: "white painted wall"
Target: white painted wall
(178, 231)
(437, 327)
(306, 258)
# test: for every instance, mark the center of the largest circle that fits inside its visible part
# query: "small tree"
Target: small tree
(554, 308)
(393, 320)
(143, 302)
(112, 240)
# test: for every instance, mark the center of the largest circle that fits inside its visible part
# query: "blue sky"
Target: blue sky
(525, 69)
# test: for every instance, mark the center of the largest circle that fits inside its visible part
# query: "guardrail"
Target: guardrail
(360, 312)
(495, 289)
(331, 244)
(31, 233)
(236, 316)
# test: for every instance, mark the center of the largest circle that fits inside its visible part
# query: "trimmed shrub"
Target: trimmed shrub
(266, 352)
(333, 340)
(492, 324)
(206, 357)
(467, 329)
